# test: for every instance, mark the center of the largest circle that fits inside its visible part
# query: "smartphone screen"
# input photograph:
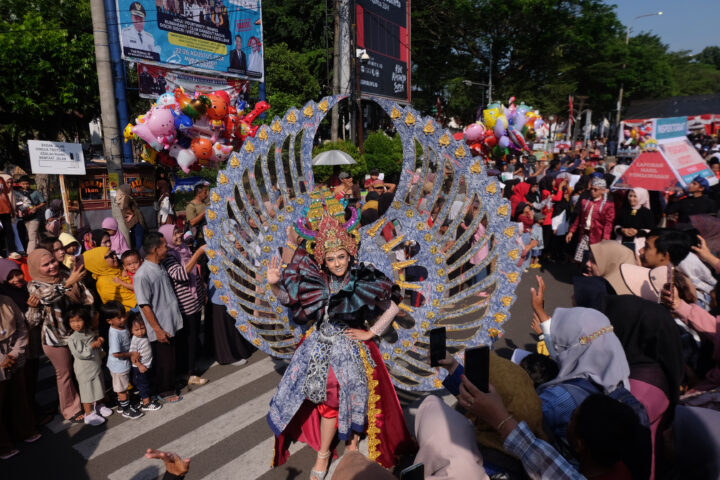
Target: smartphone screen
(437, 346)
(477, 367)
(413, 472)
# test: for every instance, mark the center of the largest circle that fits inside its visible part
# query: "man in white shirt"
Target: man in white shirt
(134, 36)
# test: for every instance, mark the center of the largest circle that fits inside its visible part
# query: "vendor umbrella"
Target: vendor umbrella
(333, 157)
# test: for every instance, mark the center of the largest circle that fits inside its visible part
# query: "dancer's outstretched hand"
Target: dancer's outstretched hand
(274, 273)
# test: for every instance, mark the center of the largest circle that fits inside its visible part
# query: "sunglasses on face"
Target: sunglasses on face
(111, 254)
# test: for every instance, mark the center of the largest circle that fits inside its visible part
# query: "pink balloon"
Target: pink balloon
(143, 131)
(474, 133)
(162, 126)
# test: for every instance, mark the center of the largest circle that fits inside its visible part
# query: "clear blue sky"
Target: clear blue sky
(684, 24)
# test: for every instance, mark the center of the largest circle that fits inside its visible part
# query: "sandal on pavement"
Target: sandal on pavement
(77, 418)
(195, 380)
(33, 438)
(320, 474)
(171, 398)
(9, 454)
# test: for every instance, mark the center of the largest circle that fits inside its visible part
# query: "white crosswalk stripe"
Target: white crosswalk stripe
(103, 442)
(206, 426)
(204, 437)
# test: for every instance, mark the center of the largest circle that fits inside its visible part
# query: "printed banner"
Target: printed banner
(383, 30)
(667, 128)
(218, 36)
(153, 81)
(650, 171)
(685, 160)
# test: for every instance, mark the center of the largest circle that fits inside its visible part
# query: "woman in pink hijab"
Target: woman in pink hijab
(118, 244)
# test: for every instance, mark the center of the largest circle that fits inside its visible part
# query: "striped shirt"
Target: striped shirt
(142, 345)
(189, 288)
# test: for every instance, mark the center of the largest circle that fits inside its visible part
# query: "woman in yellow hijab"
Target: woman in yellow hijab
(105, 267)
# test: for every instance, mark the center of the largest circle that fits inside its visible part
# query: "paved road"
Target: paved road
(220, 425)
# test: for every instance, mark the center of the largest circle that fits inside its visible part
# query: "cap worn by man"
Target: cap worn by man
(137, 9)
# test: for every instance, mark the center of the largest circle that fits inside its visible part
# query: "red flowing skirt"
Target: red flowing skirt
(387, 433)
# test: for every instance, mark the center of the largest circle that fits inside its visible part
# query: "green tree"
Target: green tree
(384, 153)
(709, 56)
(289, 80)
(47, 73)
(692, 76)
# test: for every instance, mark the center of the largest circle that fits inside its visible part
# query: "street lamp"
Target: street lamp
(627, 42)
(470, 83)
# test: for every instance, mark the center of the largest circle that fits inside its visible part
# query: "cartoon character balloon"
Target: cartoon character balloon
(491, 113)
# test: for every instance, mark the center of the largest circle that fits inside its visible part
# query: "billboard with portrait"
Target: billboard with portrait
(222, 37)
(383, 30)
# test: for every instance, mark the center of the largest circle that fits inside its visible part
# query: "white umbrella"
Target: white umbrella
(333, 157)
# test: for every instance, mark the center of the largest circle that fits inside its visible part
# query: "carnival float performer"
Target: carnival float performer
(337, 381)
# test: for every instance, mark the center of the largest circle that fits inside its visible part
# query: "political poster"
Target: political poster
(153, 81)
(219, 37)
(383, 30)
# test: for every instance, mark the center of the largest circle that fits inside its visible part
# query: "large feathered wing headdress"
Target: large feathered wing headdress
(446, 224)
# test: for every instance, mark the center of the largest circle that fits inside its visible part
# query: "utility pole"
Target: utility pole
(577, 118)
(112, 137)
(334, 117)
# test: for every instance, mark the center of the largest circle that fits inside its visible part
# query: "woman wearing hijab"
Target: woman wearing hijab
(14, 403)
(182, 268)
(634, 221)
(605, 260)
(166, 213)
(118, 244)
(104, 265)
(520, 191)
(6, 211)
(582, 342)
(56, 290)
(14, 286)
(133, 216)
(651, 342)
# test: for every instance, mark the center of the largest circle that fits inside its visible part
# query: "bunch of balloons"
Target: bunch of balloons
(192, 131)
(505, 128)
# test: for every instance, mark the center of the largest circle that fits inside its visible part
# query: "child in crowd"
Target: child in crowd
(141, 366)
(536, 235)
(72, 250)
(119, 355)
(85, 348)
(131, 261)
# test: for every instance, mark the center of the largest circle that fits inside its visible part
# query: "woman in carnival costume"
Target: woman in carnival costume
(337, 381)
